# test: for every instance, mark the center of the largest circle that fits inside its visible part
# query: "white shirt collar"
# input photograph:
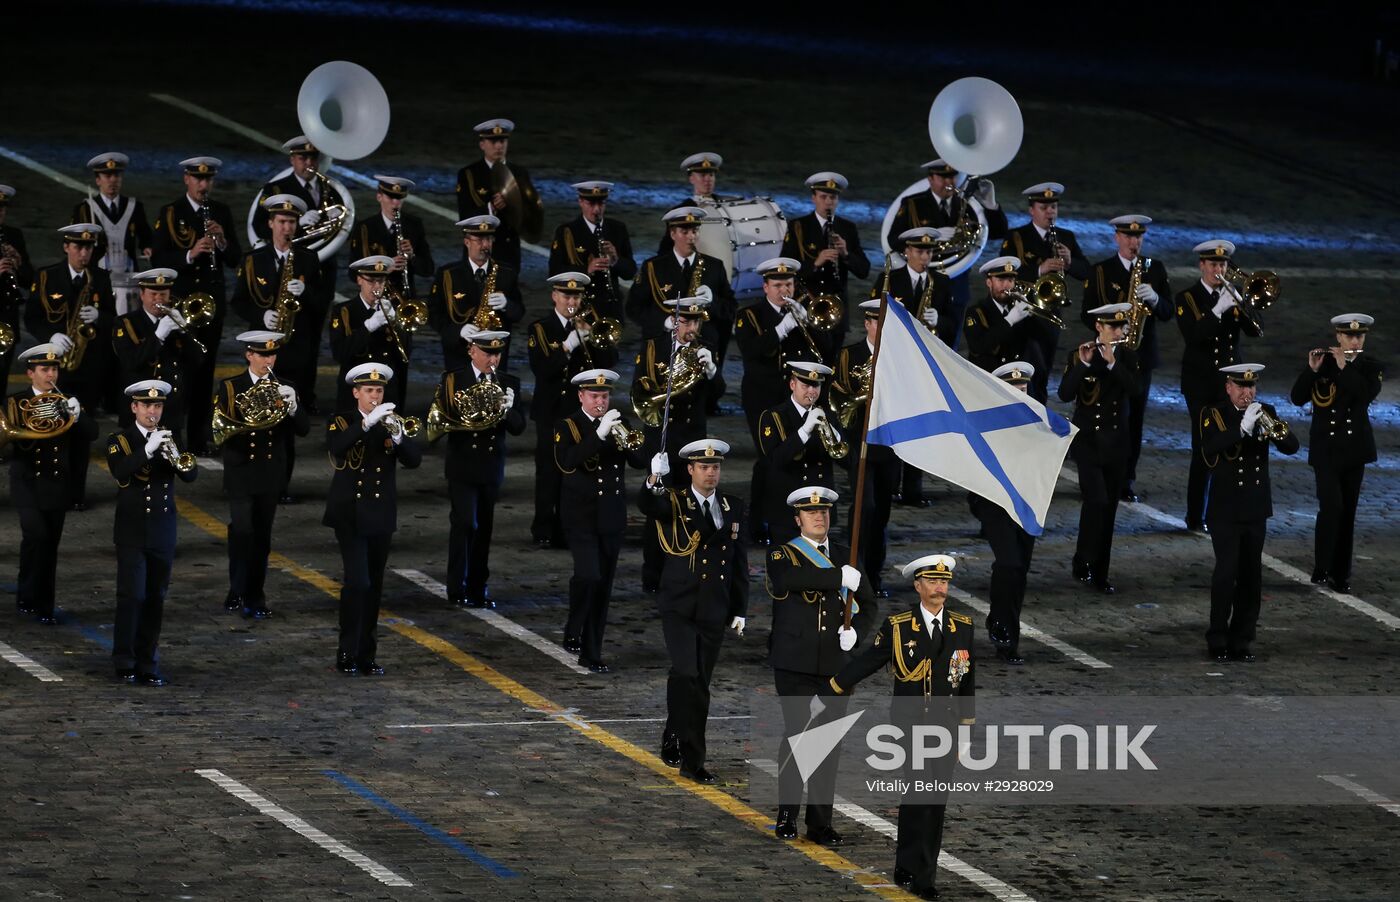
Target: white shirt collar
(818, 544)
(254, 376)
(821, 220)
(194, 204)
(1207, 287)
(714, 505)
(388, 223)
(74, 273)
(1041, 232)
(563, 320)
(929, 618)
(870, 346)
(369, 303)
(1127, 264)
(592, 226)
(477, 268)
(776, 308)
(802, 411)
(684, 260)
(479, 373)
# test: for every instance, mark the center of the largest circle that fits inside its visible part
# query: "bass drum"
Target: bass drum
(742, 233)
(325, 248)
(949, 266)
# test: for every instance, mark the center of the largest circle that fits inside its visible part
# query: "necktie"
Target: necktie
(822, 549)
(78, 280)
(946, 206)
(481, 277)
(919, 288)
(707, 528)
(314, 189)
(685, 276)
(112, 211)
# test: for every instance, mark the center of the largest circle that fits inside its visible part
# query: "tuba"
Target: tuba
(42, 416)
(260, 407)
(79, 332)
(476, 408)
(679, 377)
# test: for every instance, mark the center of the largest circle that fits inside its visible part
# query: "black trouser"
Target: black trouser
(693, 647)
(472, 519)
(881, 481)
(1100, 484)
(919, 837)
(1198, 478)
(1235, 584)
(143, 577)
(590, 589)
(40, 533)
(1012, 548)
(545, 526)
(911, 487)
(88, 391)
(364, 559)
(949, 328)
(795, 691)
(249, 544)
(1137, 410)
(1338, 491)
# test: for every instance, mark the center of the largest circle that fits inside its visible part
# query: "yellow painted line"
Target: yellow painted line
(524, 694)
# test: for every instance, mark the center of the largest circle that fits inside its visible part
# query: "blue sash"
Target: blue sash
(810, 552)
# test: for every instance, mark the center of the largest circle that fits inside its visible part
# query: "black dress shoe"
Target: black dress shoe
(233, 603)
(902, 878)
(916, 502)
(1244, 656)
(481, 602)
(1197, 526)
(257, 611)
(26, 609)
(1081, 571)
(1128, 494)
(344, 663)
(572, 643)
(882, 593)
(370, 668)
(928, 893)
(151, 679)
(699, 775)
(1009, 655)
(1218, 655)
(48, 619)
(1340, 584)
(126, 674)
(79, 506)
(287, 499)
(595, 666)
(670, 750)
(1103, 585)
(786, 827)
(459, 601)
(825, 836)
(1321, 576)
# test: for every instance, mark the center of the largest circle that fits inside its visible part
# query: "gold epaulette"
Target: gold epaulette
(960, 618)
(902, 617)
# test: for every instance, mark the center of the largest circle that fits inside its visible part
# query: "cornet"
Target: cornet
(183, 462)
(1270, 428)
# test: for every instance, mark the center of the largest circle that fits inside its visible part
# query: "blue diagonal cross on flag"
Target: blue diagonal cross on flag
(944, 415)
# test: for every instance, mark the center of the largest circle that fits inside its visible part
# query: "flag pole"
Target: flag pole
(860, 465)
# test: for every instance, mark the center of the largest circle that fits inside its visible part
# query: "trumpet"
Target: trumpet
(626, 439)
(836, 447)
(1269, 427)
(396, 425)
(182, 461)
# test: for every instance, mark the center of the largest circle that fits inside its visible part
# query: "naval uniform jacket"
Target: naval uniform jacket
(39, 468)
(923, 666)
(806, 239)
(259, 279)
(352, 344)
(177, 228)
(688, 408)
(592, 493)
(479, 458)
(146, 516)
(575, 241)
(1340, 435)
(555, 396)
(991, 340)
(705, 576)
(255, 462)
(791, 462)
(809, 607)
(142, 355)
(138, 227)
(923, 210)
(371, 237)
(363, 496)
(937, 286)
(1100, 397)
(1026, 244)
(53, 298)
(1211, 342)
(1108, 284)
(1239, 485)
(474, 193)
(844, 387)
(766, 355)
(663, 278)
(456, 296)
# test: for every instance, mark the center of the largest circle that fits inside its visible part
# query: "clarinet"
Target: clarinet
(607, 292)
(397, 234)
(206, 217)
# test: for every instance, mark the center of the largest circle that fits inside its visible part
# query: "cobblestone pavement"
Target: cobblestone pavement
(480, 767)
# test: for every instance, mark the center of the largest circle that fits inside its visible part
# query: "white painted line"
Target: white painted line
(998, 889)
(36, 166)
(502, 623)
(1357, 789)
(1030, 632)
(28, 665)
(1286, 570)
(297, 825)
(212, 464)
(339, 168)
(557, 719)
(1304, 272)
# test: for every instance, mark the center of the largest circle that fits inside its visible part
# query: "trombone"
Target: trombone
(1253, 292)
(1042, 296)
(191, 312)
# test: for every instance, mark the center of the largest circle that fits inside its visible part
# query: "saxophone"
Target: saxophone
(287, 306)
(926, 297)
(79, 332)
(697, 275)
(486, 319)
(1137, 316)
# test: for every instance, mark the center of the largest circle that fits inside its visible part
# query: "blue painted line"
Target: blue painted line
(93, 634)
(496, 868)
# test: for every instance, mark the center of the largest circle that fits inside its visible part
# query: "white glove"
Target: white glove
(572, 341)
(669, 325)
(75, 408)
(64, 343)
(496, 301)
(816, 706)
(87, 313)
(154, 440)
(296, 287)
(289, 395)
(931, 318)
(1019, 311)
(165, 326)
(377, 320)
(397, 437)
(986, 194)
(269, 319)
(606, 424)
(707, 359)
(847, 638)
(1227, 300)
(786, 325)
(310, 218)
(809, 424)
(737, 625)
(510, 398)
(704, 292)
(850, 578)
(798, 312)
(660, 464)
(1251, 416)
(469, 330)
(377, 414)
(1147, 293)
